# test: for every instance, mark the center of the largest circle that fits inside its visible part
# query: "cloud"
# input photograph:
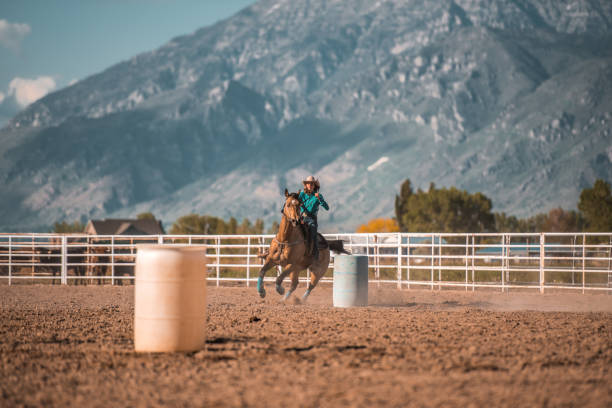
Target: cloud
(2, 96)
(27, 91)
(12, 34)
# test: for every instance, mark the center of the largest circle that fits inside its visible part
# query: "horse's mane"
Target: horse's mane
(295, 195)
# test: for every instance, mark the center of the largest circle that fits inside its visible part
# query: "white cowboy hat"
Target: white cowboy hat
(311, 179)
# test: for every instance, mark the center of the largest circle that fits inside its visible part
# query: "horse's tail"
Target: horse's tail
(338, 246)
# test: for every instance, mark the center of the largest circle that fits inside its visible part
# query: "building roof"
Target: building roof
(114, 226)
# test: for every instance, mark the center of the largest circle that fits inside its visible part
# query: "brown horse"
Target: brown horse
(289, 250)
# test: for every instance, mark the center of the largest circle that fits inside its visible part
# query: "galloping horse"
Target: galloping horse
(289, 250)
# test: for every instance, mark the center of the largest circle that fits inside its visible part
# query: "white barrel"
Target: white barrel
(170, 298)
(350, 280)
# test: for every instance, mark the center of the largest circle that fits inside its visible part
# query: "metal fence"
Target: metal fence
(540, 261)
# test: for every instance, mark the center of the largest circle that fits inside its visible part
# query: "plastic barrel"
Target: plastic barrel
(170, 298)
(350, 280)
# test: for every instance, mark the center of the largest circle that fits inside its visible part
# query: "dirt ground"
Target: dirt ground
(73, 346)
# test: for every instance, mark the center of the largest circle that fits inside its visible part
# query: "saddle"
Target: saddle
(321, 241)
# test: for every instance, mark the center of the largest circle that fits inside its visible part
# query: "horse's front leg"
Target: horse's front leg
(260, 280)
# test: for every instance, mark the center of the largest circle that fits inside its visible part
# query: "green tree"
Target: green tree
(560, 220)
(245, 227)
(258, 228)
(443, 210)
(65, 228)
(596, 206)
(557, 220)
(146, 216)
(194, 224)
(401, 202)
(273, 228)
(232, 226)
(507, 223)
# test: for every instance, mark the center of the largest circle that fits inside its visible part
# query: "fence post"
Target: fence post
(432, 261)
(542, 280)
(573, 260)
(467, 247)
(160, 239)
(399, 260)
(439, 262)
(503, 261)
(248, 261)
(112, 260)
(583, 261)
(377, 259)
(218, 258)
(10, 260)
(610, 264)
(473, 259)
(64, 271)
(408, 262)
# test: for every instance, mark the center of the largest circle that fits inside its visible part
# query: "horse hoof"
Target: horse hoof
(305, 296)
(280, 290)
(262, 293)
(287, 295)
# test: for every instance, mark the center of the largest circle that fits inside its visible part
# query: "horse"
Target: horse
(289, 250)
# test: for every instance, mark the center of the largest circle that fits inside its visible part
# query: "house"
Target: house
(115, 226)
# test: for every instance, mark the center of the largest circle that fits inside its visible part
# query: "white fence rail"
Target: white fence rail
(540, 261)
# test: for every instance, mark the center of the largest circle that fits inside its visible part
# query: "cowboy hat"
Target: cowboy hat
(311, 179)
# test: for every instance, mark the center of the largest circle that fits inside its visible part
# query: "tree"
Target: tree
(596, 206)
(194, 224)
(232, 226)
(146, 216)
(560, 220)
(258, 228)
(65, 228)
(379, 225)
(443, 210)
(507, 223)
(557, 220)
(273, 228)
(401, 202)
(245, 226)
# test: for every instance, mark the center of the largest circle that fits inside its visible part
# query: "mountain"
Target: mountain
(509, 97)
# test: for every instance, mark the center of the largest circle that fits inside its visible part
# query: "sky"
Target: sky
(46, 45)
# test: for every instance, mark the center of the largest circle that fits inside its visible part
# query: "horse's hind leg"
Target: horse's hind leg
(295, 278)
(316, 273)
(290, 269)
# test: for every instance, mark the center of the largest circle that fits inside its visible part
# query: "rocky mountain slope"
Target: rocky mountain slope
(509, 97)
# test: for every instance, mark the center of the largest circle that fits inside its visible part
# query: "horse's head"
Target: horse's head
(291, 209)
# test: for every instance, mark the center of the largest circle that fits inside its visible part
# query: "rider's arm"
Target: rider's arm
(323, 202)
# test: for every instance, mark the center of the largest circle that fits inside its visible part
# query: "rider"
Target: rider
(311, 199)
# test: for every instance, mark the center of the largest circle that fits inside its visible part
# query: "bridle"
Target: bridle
(293, 220)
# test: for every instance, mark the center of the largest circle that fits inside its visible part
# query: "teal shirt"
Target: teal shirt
(311, 203)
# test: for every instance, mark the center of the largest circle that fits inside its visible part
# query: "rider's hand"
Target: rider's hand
(317, 195)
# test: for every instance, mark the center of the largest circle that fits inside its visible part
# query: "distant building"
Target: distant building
(114, 226)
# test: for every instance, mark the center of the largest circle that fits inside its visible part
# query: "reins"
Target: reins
(284, 244)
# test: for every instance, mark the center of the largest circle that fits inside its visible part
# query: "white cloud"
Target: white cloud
(27, 90)
(12, 34)
(2, 96)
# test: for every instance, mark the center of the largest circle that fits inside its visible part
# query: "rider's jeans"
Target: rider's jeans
(311, 224)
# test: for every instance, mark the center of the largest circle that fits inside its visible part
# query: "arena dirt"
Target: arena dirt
(73, 346)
